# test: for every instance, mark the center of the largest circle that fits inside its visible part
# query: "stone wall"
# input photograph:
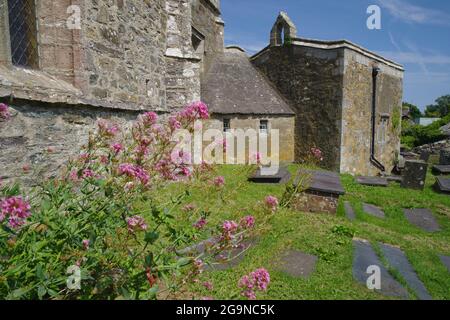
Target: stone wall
(311, 80)
(284, 124)
(44, 136)
(124, 43)
(206, 19)
(357, 112)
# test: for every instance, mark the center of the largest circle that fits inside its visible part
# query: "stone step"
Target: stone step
(398, 260)
(364, 257)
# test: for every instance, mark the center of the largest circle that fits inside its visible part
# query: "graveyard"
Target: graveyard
(324, 256)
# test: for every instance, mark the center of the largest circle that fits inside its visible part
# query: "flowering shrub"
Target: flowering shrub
(4, 112)
(103, 218)
(271, 203)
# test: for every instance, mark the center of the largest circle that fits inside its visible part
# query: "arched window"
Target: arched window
(23, 33)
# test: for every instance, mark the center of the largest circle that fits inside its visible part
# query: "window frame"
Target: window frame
(226, 128)
(266, 124)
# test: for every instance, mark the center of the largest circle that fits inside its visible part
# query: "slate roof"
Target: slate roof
(234, 86)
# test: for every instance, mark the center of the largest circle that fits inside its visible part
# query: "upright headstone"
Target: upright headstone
(414, 175)
(424, 156)
(444, 159)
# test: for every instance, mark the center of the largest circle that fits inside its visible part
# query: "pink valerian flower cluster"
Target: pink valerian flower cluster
(134, 171)
(229, 229)
(200, 224)
(196, 110)
(4, 112)
(219, 181)
(136, 223)
(174, 124)
(117, 147)
(257, 280)
(16, 210)
(208, 285)
(107, 129)
(317, 154)
(149, 118)
(86, 244)
(271, 203)
(247, 222)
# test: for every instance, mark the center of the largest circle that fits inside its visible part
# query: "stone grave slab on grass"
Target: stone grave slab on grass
(422, 218)
(442, 185)
(441, 170)
(372, 181)
(297, 264)
(322, 193)
(365, 256)
(445, 261)
(394, 178)
(230, 259)
(262, 175)
(398, 260)
(373, 210)
(349, 212)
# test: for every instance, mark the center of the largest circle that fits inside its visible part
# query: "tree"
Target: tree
(440, 109)
(414, 111)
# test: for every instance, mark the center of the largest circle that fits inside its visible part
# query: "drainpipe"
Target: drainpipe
(373, 160)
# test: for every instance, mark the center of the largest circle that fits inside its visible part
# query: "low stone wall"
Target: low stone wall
(433, 148)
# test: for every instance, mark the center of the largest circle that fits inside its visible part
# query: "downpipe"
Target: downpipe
(374, 160)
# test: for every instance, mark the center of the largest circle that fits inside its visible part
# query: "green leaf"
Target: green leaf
(151, 237)
(153, 292)
(183, 262)
(41, 292)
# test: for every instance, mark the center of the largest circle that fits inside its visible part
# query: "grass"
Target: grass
(330, 238)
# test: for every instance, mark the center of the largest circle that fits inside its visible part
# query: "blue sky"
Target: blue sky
(415, 33)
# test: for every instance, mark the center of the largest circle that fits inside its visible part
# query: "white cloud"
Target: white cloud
(410, 13)
(404, 57)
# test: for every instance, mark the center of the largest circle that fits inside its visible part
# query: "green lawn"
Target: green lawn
(313, 233)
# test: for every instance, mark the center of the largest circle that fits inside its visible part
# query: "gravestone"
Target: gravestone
(424, 156)
(445, 261)
(297, 264)
(444, 158)
(372, 181)
(422, 218)
(349, 212)
(373, 210)
(414, 175)
(364, 257)
(442, 185)
(322, 192)
(264, 175)
(441, 170)
(398, 260)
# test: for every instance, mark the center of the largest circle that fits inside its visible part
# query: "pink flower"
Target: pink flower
(229, 226)
(174, 123)
(256, 280)
(16, 210)
(317, 153)
(73, 175)
(200, 224)
(196, 110)
(208, 285)
(4, 112)
(87, 173)
(136, 223)
(117, 147)
(258, 158)
(86, 243)
(248, 222)
(134, 171)
(150, 118)
(106, 129)
(219, 181)
(26, 167)
(271, 203)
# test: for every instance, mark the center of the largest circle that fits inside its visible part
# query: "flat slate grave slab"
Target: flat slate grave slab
(372, 181)
(263, 175)
(442, 184)
(349, 212)
(373, 210)
(394, 178)
(398, 260)
(364, 257)
(422, 218)
(323, 181)
(446, 261)
(441, 170)
(227, 259)
(297, 264)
